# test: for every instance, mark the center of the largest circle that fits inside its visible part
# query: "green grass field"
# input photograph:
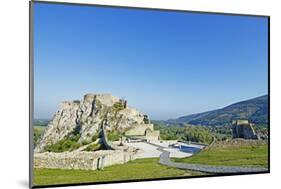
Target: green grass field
(239, 153)
(137, 169)
(39, 128)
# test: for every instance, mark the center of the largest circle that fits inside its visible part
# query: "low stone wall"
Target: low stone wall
(139, 130)
(152, 136)
(82, 160)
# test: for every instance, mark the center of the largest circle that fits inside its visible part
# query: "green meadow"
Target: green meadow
(137, 169)
(234, 153)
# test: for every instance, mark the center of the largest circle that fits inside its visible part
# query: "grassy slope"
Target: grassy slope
(245, 154)
(137, 169)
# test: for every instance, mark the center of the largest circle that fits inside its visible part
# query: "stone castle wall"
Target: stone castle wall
(82, 160)
(139, 130)
(152, 136)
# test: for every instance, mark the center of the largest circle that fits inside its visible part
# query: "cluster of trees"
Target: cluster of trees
(41, 122)
(197, 134)
(184, 132)
(37, 133)
(221, 133)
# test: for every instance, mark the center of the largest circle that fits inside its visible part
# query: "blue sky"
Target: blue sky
(166, 64)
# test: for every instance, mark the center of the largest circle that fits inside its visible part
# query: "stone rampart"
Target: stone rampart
(82, 160)
(139, 130)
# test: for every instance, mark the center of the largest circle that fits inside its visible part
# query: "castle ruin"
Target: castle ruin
(243, 129)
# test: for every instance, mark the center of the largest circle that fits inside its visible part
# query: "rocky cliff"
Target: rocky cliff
(85, 119)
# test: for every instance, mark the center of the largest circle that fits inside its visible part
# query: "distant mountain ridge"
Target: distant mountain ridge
(255, 110)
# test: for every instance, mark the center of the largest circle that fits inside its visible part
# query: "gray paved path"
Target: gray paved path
(165, 160)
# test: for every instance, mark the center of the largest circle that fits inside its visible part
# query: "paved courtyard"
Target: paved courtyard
(148, 150)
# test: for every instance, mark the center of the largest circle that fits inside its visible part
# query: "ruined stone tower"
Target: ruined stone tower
(243, 129)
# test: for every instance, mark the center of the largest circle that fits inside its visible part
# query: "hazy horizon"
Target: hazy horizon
(180, 115)
(166, 64)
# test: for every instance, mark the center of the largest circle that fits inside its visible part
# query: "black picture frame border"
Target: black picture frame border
(31, 92)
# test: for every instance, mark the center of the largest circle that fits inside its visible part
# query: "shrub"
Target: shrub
(184, 132)
(118, 106)
(66, 144)
(95, 137)
(85, 142)
(113, 136)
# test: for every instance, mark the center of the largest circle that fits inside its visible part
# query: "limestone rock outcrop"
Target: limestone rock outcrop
(87, 116)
